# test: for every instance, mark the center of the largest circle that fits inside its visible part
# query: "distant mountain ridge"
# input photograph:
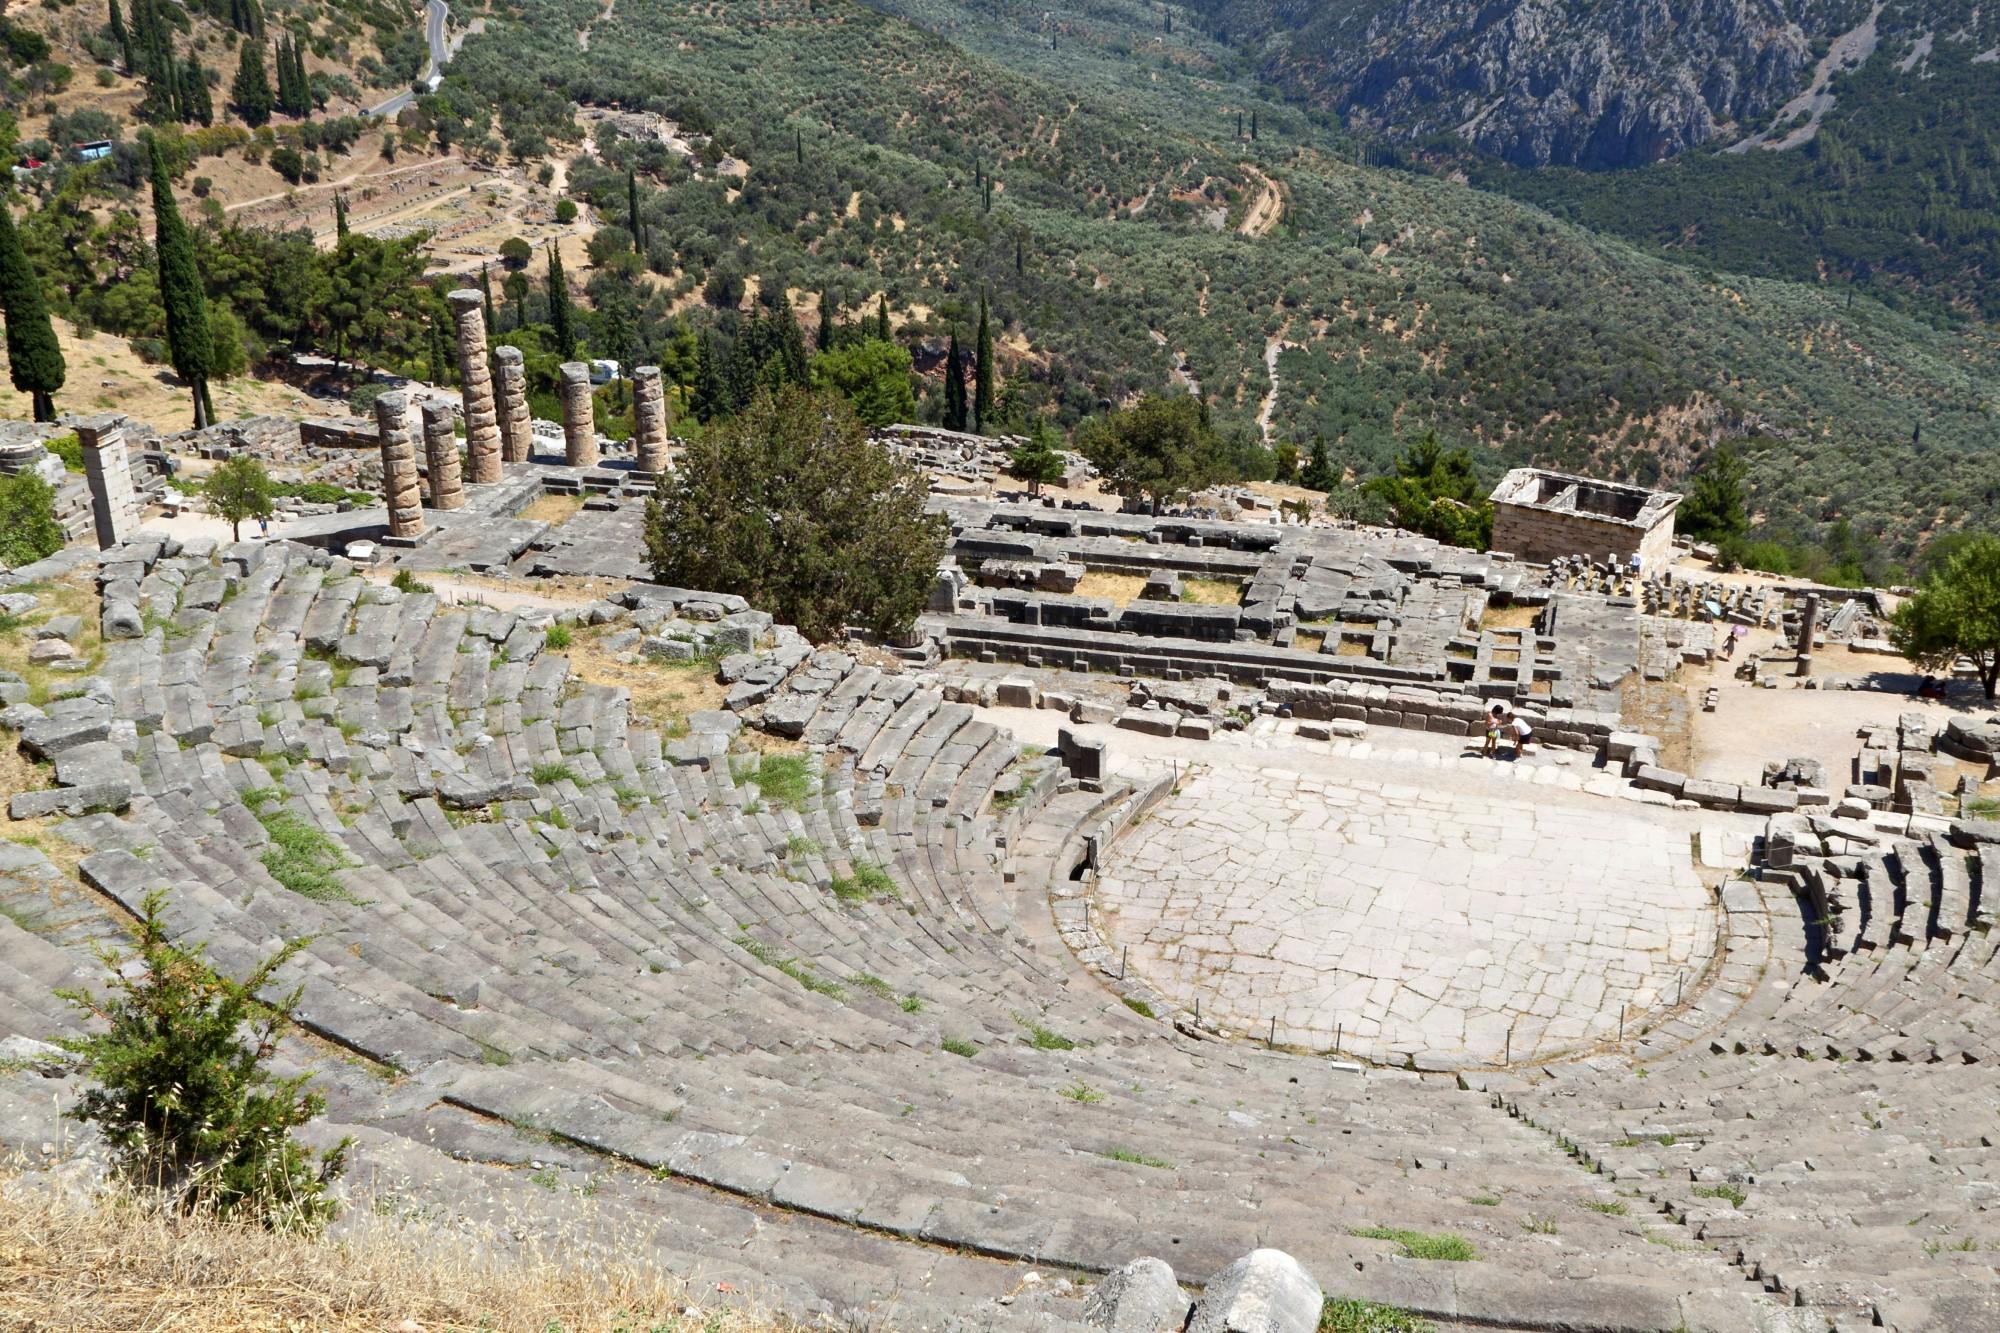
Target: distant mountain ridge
(1604, 84)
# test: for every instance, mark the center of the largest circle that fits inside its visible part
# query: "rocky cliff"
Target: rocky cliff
(1589, 83)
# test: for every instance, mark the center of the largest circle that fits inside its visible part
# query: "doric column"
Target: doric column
(441, 457)
(475, 378)
(579, 418)
(649, 405)
(107, 466)
(399, 466)
(517, 436)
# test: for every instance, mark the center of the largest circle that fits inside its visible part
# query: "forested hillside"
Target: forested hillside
(1141, 211)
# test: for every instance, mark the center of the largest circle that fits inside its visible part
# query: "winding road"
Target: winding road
(436, 13)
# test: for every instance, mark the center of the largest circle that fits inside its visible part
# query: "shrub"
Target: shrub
(781, 779)
(182, 1092)
(557, 637)
(28, 527)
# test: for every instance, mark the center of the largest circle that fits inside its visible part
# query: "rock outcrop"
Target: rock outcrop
(1538, 82)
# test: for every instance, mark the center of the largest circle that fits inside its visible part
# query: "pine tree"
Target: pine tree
(1318, 473)
(190, 344)
(34, 357)
(954, 387)
(882, 317)
(251, 91)
(562, 320)
(982, 372)
(632, 209)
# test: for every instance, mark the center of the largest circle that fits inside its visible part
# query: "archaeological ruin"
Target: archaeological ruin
(1149, 909)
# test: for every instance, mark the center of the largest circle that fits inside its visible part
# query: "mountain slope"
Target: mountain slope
(1391, 303)
(1592, 85)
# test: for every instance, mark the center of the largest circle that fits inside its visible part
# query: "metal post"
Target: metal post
(1272, 1040)
(1123, 954)
(1621, 1024)
(1680, 980)
(1509, 1059)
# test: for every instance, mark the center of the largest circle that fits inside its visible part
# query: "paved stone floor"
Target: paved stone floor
(1449, 916)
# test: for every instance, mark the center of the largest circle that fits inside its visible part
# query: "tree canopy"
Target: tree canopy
(28, 527)
(1036, 460)
(240, 489)
(1956, 613)
(1158, 451)
(34, 357)
(1715, 509)
(872, 375)
(790, 506)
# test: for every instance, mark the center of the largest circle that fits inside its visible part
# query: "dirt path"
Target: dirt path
(583, 33)
(1273, 349)
(1267, 212)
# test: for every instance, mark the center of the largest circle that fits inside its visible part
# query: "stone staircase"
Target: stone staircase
(572, 974)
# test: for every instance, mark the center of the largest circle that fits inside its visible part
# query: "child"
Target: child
(1518, 725)
(1493, 722)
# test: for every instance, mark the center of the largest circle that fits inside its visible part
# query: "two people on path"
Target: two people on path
(1502, 721)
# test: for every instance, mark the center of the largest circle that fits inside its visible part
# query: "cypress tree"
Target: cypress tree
(882, 317)
(706, 399)
(251, 91)
(632, 208)
(486, 296)
(954, 387)
(982, 372)
(1020, 255)
(561, 318)
(1253, 127)
(823, 341)
(440, 361)
(340, 222)
(799, 145)
(123, 36)
(1239, 124)
(190, 343)
(194, 87)
(34, 357)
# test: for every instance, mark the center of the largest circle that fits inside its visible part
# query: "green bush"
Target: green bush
(181, 1089)
(28, 527)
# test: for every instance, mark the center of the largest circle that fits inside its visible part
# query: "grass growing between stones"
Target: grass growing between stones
(17, 638)
(1343, 1315)
(112, 1263)
(959, 1046)
(550, 772)
(781, 779)
(1139, 1007)
(1609, 1207)
(793, 968)
(1733, 1194)
(1442, 1245)
(866, 884)
(1044, 1038)
(301, 857)
(1211, 592)
(557, 637)
(1138, 1159)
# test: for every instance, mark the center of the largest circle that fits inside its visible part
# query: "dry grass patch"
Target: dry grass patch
(1511, 616)
(65, 598)
(1309, 643)
(1351, 648)
(663, 693)
(1211, 592)
(556, 509)
(1118, 589)
(116, 1265)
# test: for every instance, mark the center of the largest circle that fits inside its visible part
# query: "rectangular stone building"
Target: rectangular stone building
(1539, 516)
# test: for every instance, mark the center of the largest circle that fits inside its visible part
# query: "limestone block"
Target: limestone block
(107, 466)
(1266, 1291)
(1015, 692)
(1141, 1297)
(579, 416)
(475, 378)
